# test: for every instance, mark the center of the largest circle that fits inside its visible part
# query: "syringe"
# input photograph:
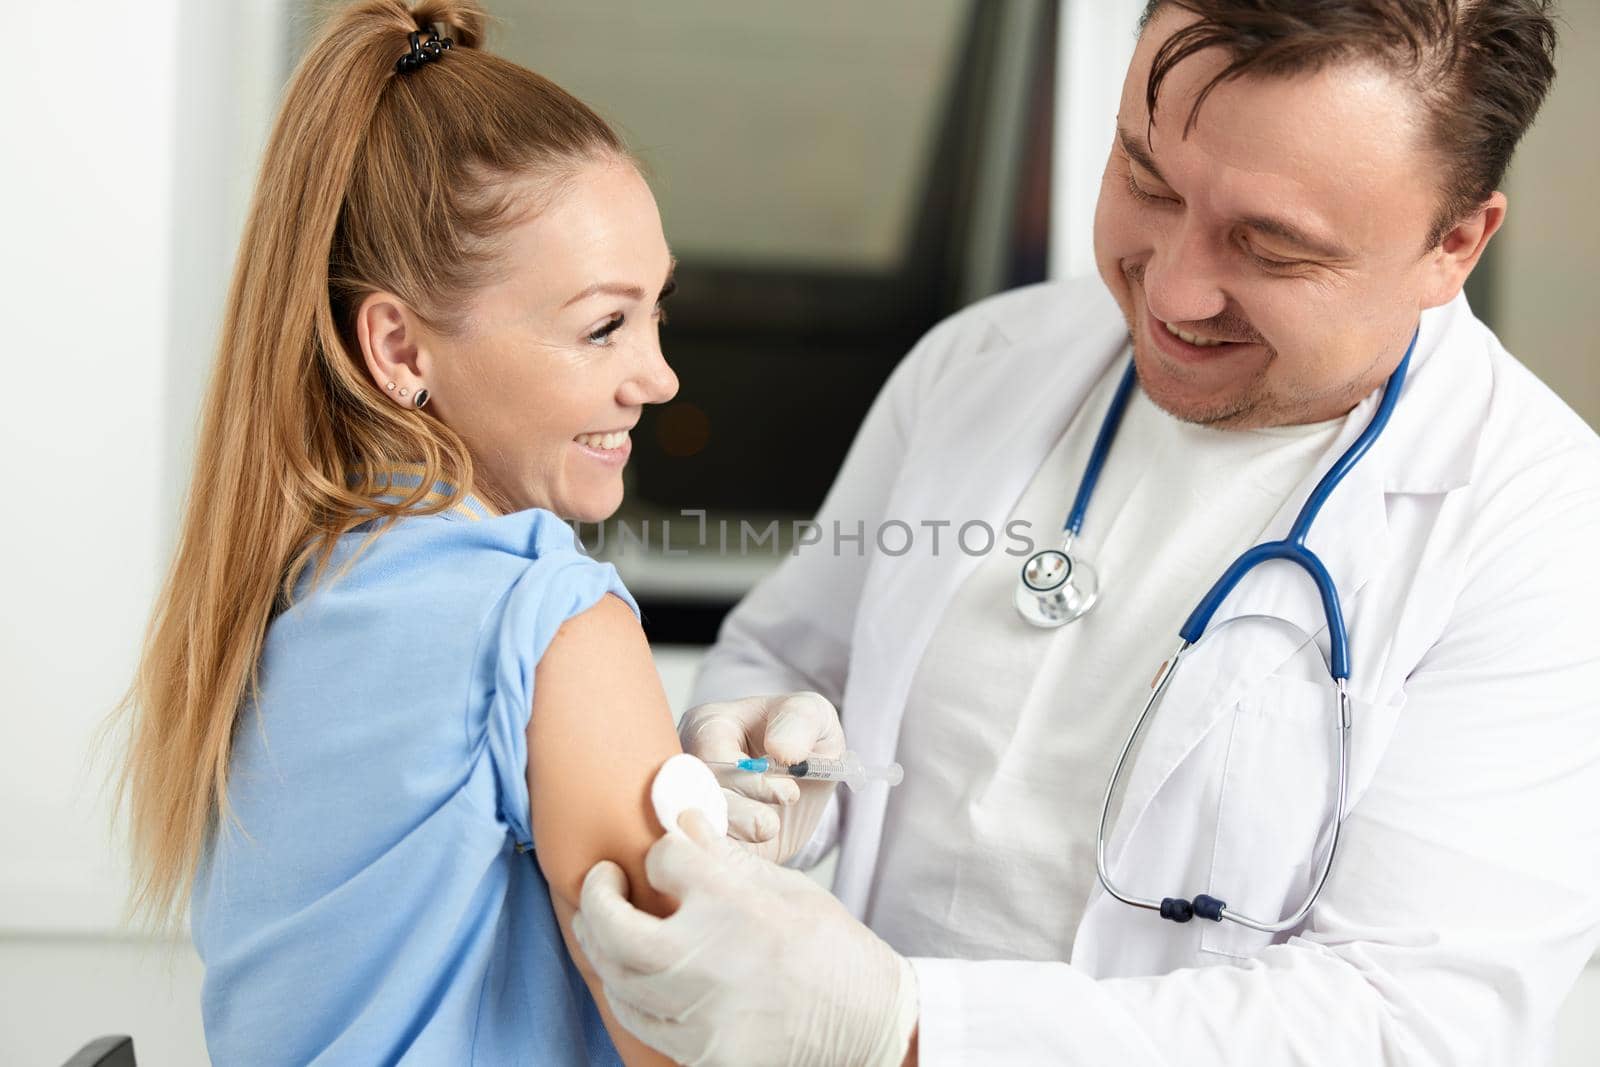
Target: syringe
(848, 769)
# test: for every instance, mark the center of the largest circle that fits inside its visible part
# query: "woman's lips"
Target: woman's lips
(611, 448)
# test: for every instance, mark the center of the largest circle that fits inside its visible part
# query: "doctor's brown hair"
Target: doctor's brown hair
(372, 180)
(1481, 67)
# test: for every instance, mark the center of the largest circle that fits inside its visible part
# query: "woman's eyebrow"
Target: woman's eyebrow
(632, 292)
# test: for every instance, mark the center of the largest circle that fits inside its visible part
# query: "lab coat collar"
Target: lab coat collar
(1422, 451)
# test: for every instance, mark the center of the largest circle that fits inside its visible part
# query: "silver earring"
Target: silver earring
(390, 387)
(404, 391)
(422, 398)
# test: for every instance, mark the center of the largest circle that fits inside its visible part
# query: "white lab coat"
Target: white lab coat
(1466, 895)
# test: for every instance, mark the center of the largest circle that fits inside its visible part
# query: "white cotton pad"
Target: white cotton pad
(684, 783)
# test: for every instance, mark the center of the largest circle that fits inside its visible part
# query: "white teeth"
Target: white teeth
(1194, 339)
(606, 442)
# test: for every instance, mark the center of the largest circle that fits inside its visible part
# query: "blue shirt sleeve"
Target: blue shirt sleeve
(558, 585)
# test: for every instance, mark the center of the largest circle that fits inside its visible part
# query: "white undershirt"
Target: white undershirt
(1010, 731)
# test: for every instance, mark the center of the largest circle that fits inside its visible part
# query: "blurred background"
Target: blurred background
(834, 176)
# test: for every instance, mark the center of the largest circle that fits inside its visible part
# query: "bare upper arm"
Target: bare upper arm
(600, 729)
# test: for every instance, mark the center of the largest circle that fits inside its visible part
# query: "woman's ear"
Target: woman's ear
(392, 346)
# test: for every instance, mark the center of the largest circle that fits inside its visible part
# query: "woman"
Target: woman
(388, 714)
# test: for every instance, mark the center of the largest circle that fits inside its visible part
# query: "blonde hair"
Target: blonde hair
(372, 181)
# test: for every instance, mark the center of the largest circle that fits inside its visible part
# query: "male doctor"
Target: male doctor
(1294, 191)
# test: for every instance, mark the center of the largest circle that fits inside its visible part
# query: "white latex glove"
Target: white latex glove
(759, 965)
(773, 817)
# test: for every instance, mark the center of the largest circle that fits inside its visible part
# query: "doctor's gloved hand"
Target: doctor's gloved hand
(759, 964)
(774, 817)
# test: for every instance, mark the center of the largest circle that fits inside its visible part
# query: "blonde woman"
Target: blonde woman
(388, 714)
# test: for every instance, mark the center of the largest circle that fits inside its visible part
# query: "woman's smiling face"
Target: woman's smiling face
(558, 353)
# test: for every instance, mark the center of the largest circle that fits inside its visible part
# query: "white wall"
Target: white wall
(91, 126)
(135, 146)
(131, 137)
(1095, 40)
(1542, 273)
(89, 211)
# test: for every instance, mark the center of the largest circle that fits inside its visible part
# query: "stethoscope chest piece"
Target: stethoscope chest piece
(1055, 589)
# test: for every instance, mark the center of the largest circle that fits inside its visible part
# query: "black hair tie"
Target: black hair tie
(422, 51)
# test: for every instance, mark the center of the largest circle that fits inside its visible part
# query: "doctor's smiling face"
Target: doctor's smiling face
(1272, 260)
(557, 353)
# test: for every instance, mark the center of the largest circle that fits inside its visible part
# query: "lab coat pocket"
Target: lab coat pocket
(1275, 807)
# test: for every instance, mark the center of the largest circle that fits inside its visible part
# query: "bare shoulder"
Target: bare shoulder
(600, 728)
(607, 628)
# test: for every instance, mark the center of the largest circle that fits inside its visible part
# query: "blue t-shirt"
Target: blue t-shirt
(379, 902)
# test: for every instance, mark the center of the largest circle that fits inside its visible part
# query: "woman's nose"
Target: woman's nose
(1180, 280)
(655, 382)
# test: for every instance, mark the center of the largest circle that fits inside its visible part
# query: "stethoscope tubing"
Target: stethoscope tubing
(1101, 449)
(1293, 549)
(1222, 911)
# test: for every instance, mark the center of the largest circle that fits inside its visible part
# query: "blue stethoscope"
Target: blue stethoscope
(1056, 588)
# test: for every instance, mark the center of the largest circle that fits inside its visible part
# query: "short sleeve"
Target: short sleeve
(559, 584)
